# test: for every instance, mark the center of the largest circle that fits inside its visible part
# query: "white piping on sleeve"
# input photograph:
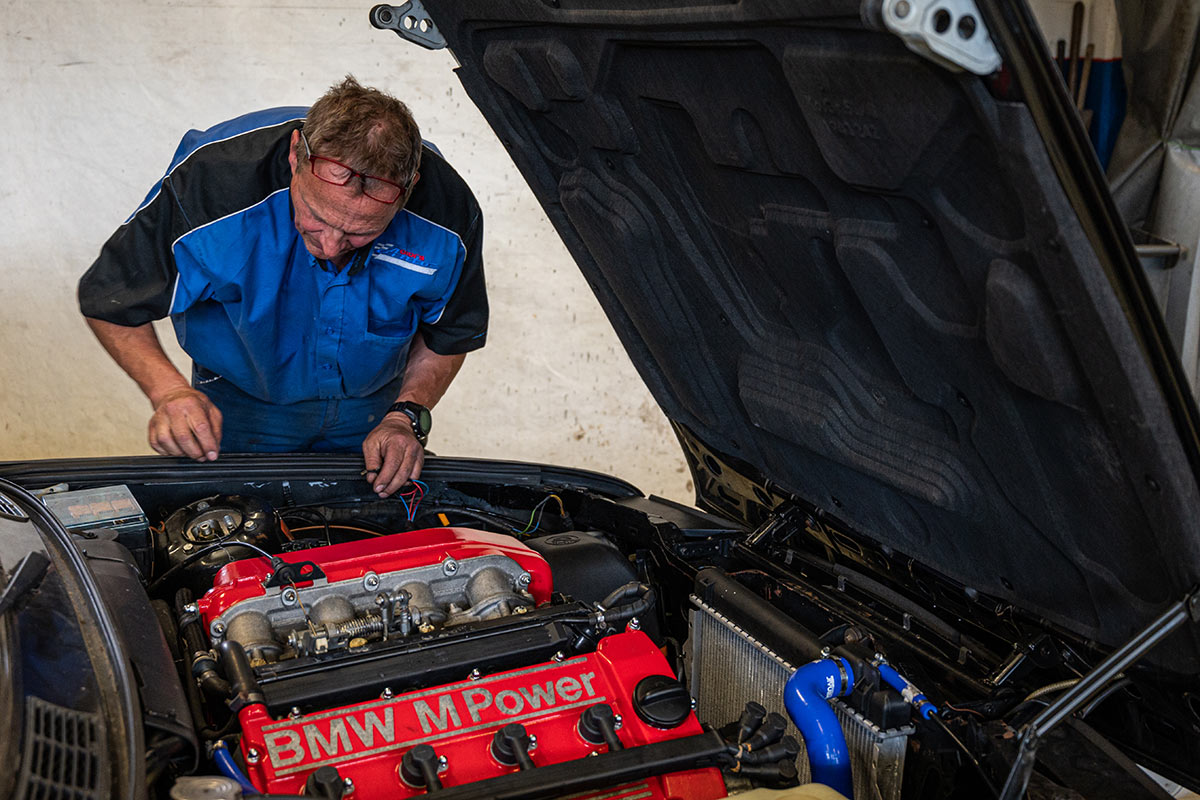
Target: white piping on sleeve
(171, 171)
(174, 294)
(175, 243)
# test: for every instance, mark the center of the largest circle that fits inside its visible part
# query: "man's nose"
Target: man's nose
(331, 241)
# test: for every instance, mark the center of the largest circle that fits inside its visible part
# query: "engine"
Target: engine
(402, 664)
(381, 589)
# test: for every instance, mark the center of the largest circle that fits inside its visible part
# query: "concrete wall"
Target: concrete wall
(94, 99)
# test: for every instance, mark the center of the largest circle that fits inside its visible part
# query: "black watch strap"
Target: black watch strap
(418, 415)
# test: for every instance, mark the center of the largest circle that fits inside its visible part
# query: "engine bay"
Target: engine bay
(495, 638)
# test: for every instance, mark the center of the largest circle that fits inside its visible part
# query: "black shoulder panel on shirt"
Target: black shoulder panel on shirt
(443, 197)
(133, 279)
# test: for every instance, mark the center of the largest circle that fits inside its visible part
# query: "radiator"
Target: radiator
(729, 668)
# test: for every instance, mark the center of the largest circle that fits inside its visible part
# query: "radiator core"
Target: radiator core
(728, 668)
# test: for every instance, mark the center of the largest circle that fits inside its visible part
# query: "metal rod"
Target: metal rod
(1094, 682)
(1090, 686)
(1088, 54)
(1076, 42)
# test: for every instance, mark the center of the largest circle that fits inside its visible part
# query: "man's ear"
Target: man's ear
(293, 149)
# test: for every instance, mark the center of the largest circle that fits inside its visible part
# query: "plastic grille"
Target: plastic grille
(64, 754)
(10, 509)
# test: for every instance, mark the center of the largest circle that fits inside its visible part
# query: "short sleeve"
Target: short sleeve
(133, 279)
(462, 325)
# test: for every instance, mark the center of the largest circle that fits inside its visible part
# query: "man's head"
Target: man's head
(369, 141)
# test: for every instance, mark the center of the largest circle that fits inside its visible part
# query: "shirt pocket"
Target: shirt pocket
(399, 294)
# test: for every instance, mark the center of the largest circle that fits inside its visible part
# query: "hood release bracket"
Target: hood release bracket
(410, 21)
(947, 32)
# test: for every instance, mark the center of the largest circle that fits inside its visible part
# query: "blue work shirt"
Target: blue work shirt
(215, 246)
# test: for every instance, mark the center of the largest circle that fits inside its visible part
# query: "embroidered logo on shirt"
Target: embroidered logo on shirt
(391, 254)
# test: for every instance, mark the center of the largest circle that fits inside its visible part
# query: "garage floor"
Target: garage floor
(95, 98)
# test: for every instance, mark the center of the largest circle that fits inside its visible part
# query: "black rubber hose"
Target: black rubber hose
(238, 672)
(624, 592)
(193, 639)
(757, 617)
(616, 614)
(202, 667)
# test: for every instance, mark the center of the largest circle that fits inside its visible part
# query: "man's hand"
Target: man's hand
(392, 454)
(186, 423)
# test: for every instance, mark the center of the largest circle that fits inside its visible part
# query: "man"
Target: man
(323, 270)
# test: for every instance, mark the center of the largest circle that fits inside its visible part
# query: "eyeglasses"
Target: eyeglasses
(337, 173)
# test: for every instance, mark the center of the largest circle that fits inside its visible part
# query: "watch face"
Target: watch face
(424, 419)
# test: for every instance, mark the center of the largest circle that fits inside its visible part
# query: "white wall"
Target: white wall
(93, 100)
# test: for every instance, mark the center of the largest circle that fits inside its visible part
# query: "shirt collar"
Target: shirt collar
(357, 262)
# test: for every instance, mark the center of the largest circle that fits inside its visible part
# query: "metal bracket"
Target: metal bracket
(410, 21)
(949, 32)
(286, 573)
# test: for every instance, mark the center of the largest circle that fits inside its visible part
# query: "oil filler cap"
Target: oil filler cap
(661, 701)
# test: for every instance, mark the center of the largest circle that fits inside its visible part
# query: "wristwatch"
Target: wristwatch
(418, 415)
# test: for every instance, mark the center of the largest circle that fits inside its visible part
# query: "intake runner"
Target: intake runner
(375, 589)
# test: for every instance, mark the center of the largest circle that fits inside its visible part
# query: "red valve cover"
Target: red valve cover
(382, 555)
(367, 741)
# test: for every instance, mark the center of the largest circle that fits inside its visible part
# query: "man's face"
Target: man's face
(334, 221)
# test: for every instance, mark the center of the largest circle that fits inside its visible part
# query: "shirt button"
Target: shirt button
(329, 330)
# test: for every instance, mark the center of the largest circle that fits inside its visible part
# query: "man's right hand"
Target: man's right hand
(186, 423)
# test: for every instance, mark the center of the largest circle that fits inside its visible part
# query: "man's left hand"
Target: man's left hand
(392, 454)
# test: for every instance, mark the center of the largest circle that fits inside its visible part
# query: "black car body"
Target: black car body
(933, 415)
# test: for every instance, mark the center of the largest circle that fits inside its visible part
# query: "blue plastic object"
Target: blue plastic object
(909, 692)
(806, 697)
(229, 768)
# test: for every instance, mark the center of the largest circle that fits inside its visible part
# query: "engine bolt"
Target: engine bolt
(635, 624)
(442, 763)
(449, 566)
(475, 674)
(559, 656)
(426, 627)
(532, 741)
(618, 721)
(524, 579)
(251, 524)
(370, 581)
(187, 546)
(203, 504)
(520, 610)
(295, 712)
(253, 756)
(387, 693)
(349, 784)
(288, 597)
(191, 608)
(217, 629)
(825, 652)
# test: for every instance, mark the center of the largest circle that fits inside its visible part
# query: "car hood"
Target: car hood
(878, 285)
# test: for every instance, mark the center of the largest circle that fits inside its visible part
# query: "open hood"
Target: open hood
(895, 290)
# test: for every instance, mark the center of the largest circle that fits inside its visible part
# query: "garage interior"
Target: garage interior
(97, 98)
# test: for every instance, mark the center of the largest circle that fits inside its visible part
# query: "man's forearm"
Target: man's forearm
(138, 351)
(428, 374)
